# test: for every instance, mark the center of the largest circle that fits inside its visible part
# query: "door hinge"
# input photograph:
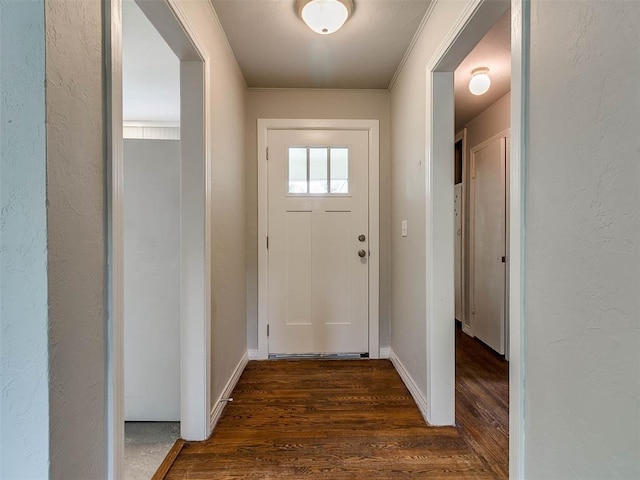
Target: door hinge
(267, 242)
(267, 154)
(267, 330)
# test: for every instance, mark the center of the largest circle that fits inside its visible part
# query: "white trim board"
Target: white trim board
(373, 127)
(410, 383)
(221, 402)
(385, 353)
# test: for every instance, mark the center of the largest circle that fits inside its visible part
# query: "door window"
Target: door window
(318, 171)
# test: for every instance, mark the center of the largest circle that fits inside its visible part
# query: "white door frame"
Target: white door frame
(471, 26)
(195, 229)
(373, 129)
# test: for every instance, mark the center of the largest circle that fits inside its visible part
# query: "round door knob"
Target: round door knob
(362, 253)
(361, 237)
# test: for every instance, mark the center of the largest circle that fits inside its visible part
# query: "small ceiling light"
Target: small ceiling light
(480, 81)
(325, 16)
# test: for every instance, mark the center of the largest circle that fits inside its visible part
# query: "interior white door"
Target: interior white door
(489, 234)
(318, 241)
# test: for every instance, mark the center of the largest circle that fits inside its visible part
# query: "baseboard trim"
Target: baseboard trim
(216, 412)
(467, 329)
(410, 383)
(385, 353)
(252, 353)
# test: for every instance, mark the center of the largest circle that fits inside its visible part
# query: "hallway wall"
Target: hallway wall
(76, 220)
(325, 104)
(408, 152)
(151, 280)
(24, 383)
(583, 242)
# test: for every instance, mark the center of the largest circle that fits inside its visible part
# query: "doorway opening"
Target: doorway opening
(481, 172)
(188, 180)
(440, 190)
(151, 208)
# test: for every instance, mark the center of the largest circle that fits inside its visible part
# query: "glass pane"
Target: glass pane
(297, 170)
(339, 170)
(318, 182)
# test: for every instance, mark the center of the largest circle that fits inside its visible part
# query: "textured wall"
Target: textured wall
(583, 234)
(152, 280)
(24, 406)
(409, 110)
(309, 103)
(76, 222)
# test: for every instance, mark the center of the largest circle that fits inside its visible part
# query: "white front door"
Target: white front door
(488, 162)
(318, 255)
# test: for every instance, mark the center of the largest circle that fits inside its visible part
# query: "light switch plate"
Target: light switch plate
(404, 228)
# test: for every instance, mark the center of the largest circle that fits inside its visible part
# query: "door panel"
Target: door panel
(298, 267)
(318, 285)
(488, 225)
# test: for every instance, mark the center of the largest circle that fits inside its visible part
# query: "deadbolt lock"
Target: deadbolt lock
(362, 237)
(362, 253)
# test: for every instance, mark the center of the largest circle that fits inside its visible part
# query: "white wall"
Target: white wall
(490, 122)
(408, 147)
(24, 395)
(582, 240)
(76, 220)
(152, 280)
(325, 104)
(226, 107)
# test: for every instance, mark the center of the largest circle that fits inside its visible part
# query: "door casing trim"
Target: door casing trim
(373, 129)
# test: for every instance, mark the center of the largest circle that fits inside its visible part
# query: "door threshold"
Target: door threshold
(317, 356)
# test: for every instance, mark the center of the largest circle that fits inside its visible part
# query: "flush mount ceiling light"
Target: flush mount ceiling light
(480, 81)
(324, 16)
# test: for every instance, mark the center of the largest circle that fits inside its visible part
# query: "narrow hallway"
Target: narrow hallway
(351, 419)
(482, 402)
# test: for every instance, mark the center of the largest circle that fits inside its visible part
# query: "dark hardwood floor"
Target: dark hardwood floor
(482, 402)
(352, 419)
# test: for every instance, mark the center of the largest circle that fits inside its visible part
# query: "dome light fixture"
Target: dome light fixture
(480, 81)
(325, 16)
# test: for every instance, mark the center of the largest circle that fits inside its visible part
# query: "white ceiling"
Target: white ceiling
(493, 52)
(275, 49)
(150, 71)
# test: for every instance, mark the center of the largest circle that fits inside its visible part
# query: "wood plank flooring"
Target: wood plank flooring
(482, 402)
(343, 419)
